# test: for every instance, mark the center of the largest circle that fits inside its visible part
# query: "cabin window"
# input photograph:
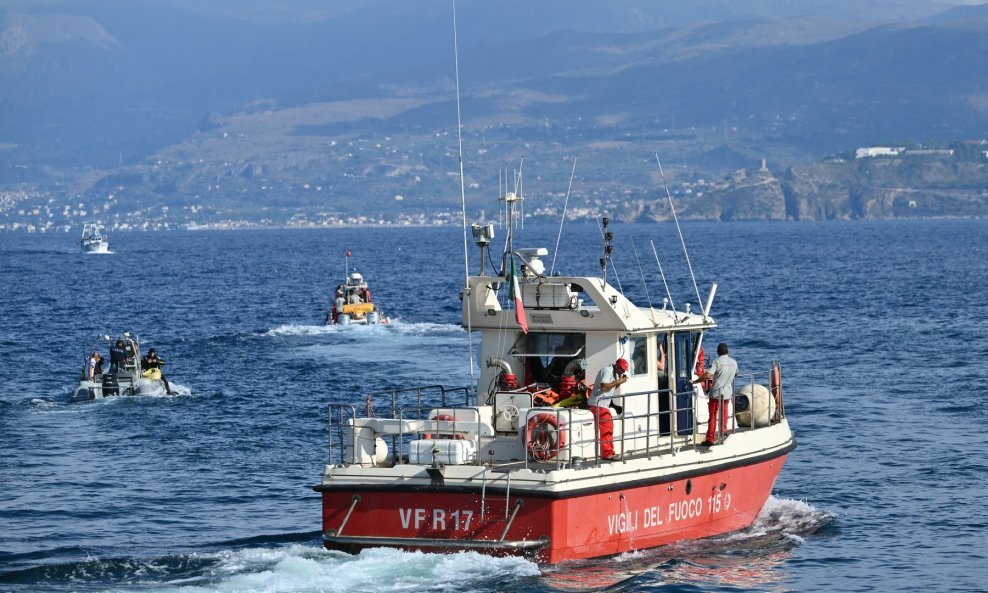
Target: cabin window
(638, 359)
(662, 355)
(686, 346)
(552, 345)
(548, 356)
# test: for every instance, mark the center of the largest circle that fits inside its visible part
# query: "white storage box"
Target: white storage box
(546, 295)
(448, 451)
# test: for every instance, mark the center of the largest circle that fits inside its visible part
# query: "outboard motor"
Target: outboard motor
(110, 385)
(343, 319)
(373, 318)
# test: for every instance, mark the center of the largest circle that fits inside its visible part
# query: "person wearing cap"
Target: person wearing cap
(151, 361)
(723, 372)
(608, 379)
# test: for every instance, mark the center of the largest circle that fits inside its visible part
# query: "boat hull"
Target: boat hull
(89, 390)
(550, 526)
(95, 247)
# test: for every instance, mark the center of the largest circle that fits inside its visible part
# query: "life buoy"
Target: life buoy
(544, 437)
(448, 418)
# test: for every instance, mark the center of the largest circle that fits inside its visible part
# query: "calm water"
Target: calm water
(880, 327)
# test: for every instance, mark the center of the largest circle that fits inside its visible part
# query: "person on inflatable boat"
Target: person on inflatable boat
(151, 361)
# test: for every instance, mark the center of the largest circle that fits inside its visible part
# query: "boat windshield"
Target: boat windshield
(553, 345)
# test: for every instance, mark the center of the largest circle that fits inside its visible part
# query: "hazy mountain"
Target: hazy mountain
(92, 82)
(175, 98)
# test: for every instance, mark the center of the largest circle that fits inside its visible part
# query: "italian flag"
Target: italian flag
(519, 307)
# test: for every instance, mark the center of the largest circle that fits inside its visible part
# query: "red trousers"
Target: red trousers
(716, 410)
(605, 424)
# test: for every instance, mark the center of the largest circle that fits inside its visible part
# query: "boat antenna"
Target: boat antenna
(648, 297)
(678, 230)
(520, 191)
(608, 250)
(562, 218)
(463, 200)
(500, 194)
(663, 274)
(346, 262)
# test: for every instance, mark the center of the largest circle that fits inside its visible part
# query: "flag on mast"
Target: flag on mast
(519, 307)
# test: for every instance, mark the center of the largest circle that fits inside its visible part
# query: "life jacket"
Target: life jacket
(707, 385)
(508, 381)
(546, 397)
(579, 393)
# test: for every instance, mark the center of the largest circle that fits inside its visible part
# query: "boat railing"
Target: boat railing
(770, 402)
(341, 416)
(666, 428)
(652, 422)
(422, 396)
(387, 404)
(444, 422)
(669, 428)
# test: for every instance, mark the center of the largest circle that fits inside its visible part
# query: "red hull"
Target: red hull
(604, 522)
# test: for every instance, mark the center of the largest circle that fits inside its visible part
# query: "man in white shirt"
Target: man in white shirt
(723, 372)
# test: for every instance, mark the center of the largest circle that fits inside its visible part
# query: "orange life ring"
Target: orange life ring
(448, 418)
(775, 388)
(544, 438)
(775, 382)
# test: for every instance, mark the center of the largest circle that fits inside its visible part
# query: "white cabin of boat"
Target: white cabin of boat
(93, 240)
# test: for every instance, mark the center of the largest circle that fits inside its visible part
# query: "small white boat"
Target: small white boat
(352, 304)
(123, 377)
(93, 240)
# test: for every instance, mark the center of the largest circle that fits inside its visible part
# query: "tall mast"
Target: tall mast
(509, 198)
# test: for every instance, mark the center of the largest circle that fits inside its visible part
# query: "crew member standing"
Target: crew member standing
(118, 356)
(608, 379)
(723, 372)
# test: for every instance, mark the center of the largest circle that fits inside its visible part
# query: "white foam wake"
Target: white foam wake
(395, 327)
(301, 569)
(793, 518)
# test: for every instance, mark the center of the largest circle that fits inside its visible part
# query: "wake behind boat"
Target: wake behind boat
(512, 466)
(93, 240)
(126, 373)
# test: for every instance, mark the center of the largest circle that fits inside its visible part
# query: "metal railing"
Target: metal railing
(341, 415)
(668, 423)
(663, 432)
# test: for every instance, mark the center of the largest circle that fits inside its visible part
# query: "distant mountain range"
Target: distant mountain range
(233, 108)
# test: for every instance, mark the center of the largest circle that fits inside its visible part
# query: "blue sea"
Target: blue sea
(880, 327)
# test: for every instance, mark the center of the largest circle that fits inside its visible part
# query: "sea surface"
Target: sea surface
(881, 328)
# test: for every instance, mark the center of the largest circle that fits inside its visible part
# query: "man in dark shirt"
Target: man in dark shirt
(118, 355)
